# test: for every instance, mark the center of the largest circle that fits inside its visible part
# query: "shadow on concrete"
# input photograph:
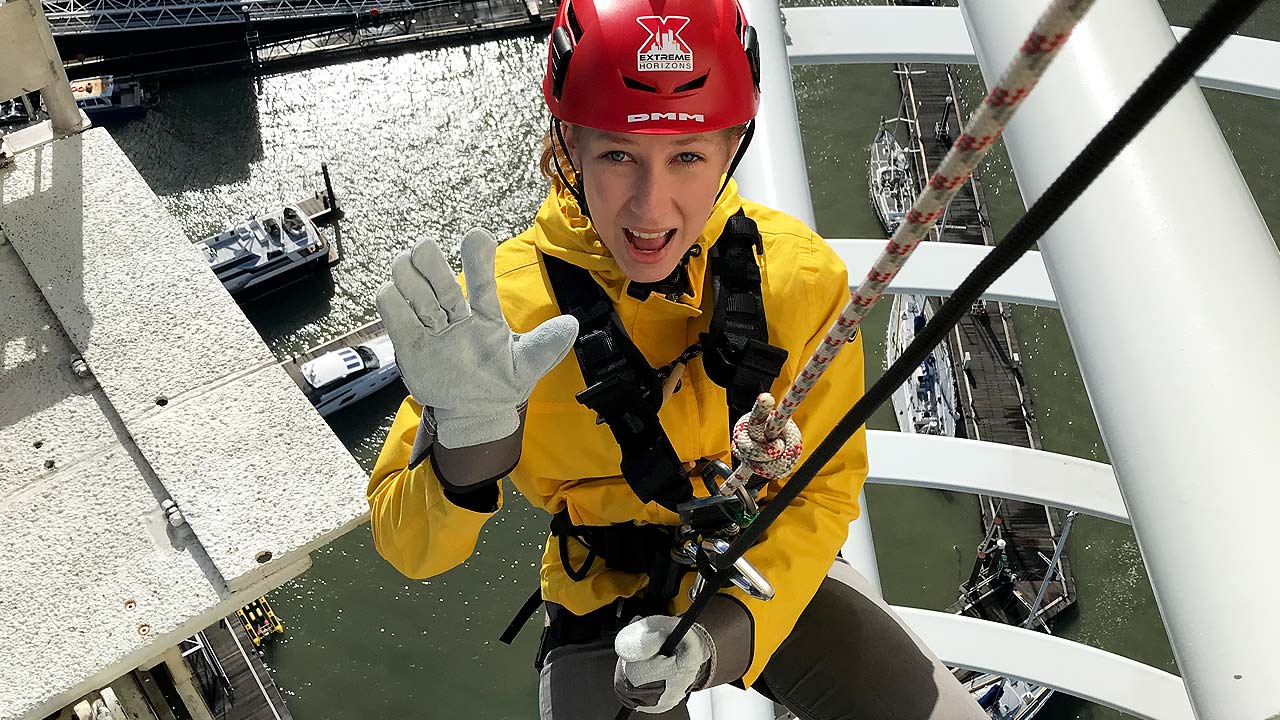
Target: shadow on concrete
(42, 217)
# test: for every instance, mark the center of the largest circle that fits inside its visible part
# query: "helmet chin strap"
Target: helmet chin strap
(737, 156)
(575, 188)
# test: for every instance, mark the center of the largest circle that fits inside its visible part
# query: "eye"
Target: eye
(616, 156)
(689, 158)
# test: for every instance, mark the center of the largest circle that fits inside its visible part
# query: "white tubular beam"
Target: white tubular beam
(183, 682)
(1073, 668)
(1243, 64)
(58, 100)
(1178, 379)
(31, 62)
(877, 34)
(873, 34)
(22, 51)
(773, 172)
(989, 468)
(937, 268)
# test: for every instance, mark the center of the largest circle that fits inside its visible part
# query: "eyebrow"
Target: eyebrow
(624, 139)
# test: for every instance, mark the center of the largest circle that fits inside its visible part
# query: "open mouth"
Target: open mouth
(648, 245)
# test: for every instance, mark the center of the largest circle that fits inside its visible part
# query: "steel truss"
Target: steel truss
(74, 17)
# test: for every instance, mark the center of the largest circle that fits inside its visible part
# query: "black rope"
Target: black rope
(1179, 66)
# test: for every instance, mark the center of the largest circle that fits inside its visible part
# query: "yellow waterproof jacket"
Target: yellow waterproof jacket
(570, 462)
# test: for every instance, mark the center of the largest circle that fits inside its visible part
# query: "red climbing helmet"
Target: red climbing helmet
(652, 66)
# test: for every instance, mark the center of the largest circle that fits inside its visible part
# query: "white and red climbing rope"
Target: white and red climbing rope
(766, 439)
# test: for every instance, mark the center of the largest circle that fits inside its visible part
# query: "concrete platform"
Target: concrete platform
(185, 403)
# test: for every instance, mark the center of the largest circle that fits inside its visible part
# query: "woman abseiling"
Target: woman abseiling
(681, 301)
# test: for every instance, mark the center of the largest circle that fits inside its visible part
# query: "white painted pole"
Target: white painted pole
(58, 100)
(1169, 283)
(773, 172)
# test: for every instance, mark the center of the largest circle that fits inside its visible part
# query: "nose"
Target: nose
(652, 194)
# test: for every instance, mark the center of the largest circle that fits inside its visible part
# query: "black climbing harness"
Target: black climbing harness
(626, 393)
(736, 351)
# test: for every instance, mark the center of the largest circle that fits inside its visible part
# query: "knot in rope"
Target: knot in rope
(770, 457)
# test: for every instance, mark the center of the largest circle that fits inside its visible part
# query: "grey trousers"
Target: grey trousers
(849, 657)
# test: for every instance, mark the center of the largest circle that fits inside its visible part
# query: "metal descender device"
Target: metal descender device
(707, 527)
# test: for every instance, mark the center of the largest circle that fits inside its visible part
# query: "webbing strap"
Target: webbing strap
(621, 387)
(737, 354)
(522, 616)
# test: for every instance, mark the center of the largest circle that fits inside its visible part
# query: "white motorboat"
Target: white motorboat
(339, 378)
(262, 254)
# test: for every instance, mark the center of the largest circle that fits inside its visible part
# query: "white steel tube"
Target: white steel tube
(58, 100)
(1181, 382)
(773, 172)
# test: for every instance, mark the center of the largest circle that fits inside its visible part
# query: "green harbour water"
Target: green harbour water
(433, 142)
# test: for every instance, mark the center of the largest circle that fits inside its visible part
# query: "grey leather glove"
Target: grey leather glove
(460, 358)
(651, 683)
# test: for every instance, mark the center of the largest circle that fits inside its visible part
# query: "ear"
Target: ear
(731, 149)
(572, 139)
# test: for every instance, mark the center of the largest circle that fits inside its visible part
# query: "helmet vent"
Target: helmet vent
(637, 85)
(574, 25)
(693, 84)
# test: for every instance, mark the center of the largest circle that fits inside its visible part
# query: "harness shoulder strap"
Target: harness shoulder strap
(736, 350)
(621, 387)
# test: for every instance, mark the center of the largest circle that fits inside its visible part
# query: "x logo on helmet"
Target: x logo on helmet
(664, 49)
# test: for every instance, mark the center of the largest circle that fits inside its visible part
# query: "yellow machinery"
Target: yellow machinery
(259, 620)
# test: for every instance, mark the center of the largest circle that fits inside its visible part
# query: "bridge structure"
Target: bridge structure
(77, 17)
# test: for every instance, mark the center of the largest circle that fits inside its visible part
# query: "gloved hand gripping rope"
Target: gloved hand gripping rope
(1179, 66)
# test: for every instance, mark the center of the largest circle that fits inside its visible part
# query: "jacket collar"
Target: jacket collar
(566, 234)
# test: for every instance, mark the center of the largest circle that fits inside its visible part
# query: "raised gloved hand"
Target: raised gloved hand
(459, 358)
(651, 683)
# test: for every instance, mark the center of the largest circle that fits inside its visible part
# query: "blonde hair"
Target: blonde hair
(553, 152)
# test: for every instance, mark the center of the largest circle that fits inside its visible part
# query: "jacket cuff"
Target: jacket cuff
(732, 630)
(483, 499)
(469, 475)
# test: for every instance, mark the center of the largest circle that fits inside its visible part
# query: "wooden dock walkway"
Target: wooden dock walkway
(984, 350)
(322, 207)
(254, 695)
